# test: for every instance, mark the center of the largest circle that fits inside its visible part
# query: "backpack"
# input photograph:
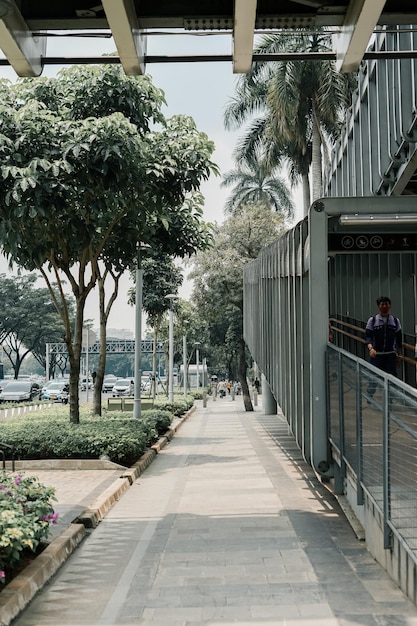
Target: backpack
(397, 322)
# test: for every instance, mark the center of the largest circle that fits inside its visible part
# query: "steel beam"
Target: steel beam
(350, 44)
(243, 30)
(129, 39)
(22, 49)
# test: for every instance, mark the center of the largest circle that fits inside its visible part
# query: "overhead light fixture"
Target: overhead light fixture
(362, 219)
(6, 7)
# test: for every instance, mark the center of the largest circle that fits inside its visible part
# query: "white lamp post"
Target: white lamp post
(197, 357)
(171, 297)
(184, 367)
(137, 409)
(185, 358)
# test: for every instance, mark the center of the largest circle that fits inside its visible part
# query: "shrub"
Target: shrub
(48, 434)
(160, 418)
(25, 515)
(178, 407)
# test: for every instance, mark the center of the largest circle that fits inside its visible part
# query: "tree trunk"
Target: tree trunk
(101, 368)
(74, 353)
(316, 161)
(242, 372)
(104, 316)
(306, 194)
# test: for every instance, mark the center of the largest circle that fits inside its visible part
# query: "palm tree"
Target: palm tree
(256, 183)
(301, 105)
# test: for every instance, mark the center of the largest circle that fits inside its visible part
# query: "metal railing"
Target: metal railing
(349, 333)
(373, 427)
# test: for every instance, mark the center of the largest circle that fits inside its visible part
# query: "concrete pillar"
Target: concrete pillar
(269, 403)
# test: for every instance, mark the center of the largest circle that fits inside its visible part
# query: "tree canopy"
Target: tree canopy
(256, 182)
(218, 282)
(29, 320)
(294, 108)
(85, 177)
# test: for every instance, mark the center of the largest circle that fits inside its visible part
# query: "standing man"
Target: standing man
(383, 338)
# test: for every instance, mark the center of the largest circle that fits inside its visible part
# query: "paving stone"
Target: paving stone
(228, 525)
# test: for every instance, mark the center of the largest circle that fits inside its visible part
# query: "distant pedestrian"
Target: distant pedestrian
(257, 385)
(222, 387)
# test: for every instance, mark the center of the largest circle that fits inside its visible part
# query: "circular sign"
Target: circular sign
(347, 241)
(362, 242)
(376, 241)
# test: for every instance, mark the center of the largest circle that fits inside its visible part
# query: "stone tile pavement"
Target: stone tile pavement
(228, 525)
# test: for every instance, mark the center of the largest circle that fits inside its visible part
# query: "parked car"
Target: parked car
(4, 382)
(19, 391)
(83, 383)
(123, 387)
(109, 382)
(145, 383)
(45, 387)
(57, 391)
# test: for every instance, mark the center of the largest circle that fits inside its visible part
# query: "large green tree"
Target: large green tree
(68, 180)
(298, 107)
(257, 182)
(218, 277)
(28, 319)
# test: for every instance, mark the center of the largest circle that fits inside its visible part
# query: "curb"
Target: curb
(20, 591)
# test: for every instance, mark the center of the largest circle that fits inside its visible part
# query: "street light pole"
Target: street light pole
(137, 409)
(197, 357)
(184, 367)
(171, 297)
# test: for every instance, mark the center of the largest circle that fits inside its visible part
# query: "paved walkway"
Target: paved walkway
(228, 525)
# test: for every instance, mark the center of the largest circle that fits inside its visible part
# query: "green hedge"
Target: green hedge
(48, 434)
(180, 405)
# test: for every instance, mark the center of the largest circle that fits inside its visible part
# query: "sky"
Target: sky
(201, 90)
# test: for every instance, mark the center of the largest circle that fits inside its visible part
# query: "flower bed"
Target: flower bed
(26, 513)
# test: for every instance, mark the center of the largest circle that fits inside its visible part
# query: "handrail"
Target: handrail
(359, 431)
(361, 330)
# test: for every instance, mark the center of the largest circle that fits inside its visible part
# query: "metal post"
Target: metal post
(171, 355)
(204, 373)
(47, 361)
(86, 364)
(185, 368)
(171, 297)
(137, 409)
(197, 357)
(269, 404)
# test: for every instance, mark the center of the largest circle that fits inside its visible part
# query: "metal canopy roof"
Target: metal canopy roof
(25, 25)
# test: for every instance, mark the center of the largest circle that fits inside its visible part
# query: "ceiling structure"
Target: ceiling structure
(25, 25)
